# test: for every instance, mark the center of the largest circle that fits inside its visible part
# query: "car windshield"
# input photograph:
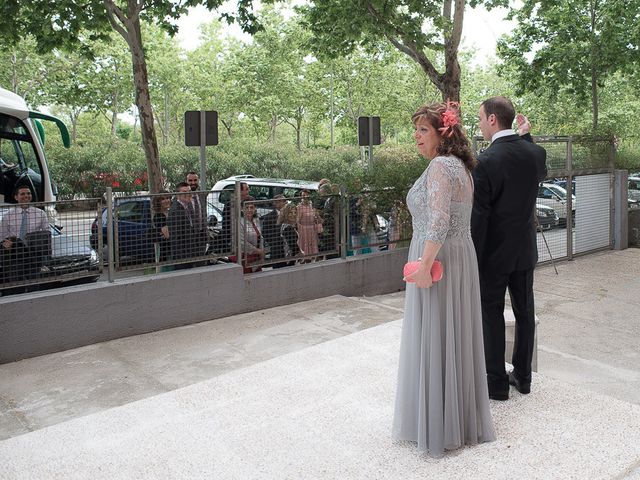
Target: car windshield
(558, 191)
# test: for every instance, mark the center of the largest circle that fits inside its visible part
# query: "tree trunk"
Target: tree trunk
(114, 123)
(129, 27)
(594, 98)
(73, 116)
(273, 125)
(165, 130)
(448, 82)
(451, 81)
(114, 114)
(227, 126)
(145, 111)
(594, 72)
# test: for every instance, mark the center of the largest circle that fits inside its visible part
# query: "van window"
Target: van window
(260, 192)
(19, 158)
(544, 192)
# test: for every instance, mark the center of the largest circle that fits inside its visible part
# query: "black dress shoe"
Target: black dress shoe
(499, 395)
(522, 387)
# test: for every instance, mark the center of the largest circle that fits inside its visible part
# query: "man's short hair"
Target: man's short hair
(191, 173)
(182, 184)
(279, 197)
(502, 108)
(19, 187)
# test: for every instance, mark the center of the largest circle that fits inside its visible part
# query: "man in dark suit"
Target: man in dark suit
(199, 202)
(183, 235)
(503, 230)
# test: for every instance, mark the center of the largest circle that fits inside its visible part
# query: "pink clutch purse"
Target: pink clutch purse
(436, 270)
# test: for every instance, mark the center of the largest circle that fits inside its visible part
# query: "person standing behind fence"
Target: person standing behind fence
(308, 223)
(200, 213)
(182, 234)
(328, 241)
(18, 258)
(251, 241)
(287, 219)
(502, 226)
(160, 230)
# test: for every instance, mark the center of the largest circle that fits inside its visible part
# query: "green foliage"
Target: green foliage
(571, 47)
(91, 167)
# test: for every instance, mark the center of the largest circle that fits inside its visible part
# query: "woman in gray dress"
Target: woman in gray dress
(442, 400)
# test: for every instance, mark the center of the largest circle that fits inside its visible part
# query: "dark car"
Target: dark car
(133, 221)
(547, 217)
(64, 261)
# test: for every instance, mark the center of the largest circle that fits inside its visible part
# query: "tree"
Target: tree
(340, 25)
(24, 71)
(571, 46)
(111, 80)
(214, 70)
(70, 24)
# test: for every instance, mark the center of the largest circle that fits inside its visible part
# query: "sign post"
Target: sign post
(200, 130)
(369, 134)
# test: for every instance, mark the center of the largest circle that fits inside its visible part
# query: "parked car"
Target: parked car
(634, 188)
(555, 196)
(547, 217)
(66, 261)
(562, 182)
(68, 256)
(260, 189)
(266, 189)
(133, 217)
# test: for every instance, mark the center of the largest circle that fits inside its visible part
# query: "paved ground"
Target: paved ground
(311, 385)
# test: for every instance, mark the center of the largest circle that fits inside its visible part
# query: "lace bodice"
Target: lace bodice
(440, 201)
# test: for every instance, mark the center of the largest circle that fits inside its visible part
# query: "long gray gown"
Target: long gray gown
(442, 400)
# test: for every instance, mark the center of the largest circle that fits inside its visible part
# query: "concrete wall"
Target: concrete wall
(56, 320)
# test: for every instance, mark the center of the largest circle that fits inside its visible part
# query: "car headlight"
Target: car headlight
(540, 212)
(93, 256)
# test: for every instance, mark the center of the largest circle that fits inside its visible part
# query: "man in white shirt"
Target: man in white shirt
(18, 255)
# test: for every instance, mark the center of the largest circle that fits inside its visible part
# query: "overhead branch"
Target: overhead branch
(115, 15)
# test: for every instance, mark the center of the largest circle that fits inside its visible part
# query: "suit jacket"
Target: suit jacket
(506, 187)
(183, 237)
(271, 233)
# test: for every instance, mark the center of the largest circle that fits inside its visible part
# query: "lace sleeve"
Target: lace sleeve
(439, 190)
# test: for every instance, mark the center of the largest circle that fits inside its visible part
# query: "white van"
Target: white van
(555, 196)
(259, 188)
(22, 158)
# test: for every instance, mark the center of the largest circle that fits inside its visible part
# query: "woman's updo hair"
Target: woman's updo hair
(445, 118)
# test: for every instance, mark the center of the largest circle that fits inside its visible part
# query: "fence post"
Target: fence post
(110, 242)
(569, 204)
(344, 225)
(235, 218)
(620, 210)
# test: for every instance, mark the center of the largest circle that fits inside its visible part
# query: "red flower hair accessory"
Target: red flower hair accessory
(450, 118)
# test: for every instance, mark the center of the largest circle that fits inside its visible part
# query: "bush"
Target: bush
(89, 169)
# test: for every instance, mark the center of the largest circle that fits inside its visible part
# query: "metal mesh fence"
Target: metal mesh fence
(37, 253)
(377, 220)
(164, 231)
(573, 217)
